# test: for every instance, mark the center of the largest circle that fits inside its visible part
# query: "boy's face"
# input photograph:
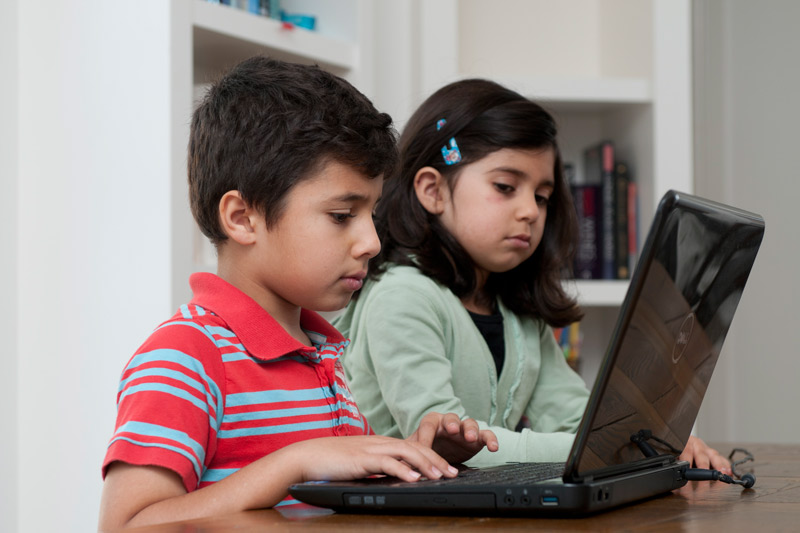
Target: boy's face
(316, 254)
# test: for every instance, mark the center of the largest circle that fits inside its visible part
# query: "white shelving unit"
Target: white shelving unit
(606, 69)
(222, 35)
(598, 293)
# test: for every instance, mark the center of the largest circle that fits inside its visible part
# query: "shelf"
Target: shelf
(582, 94)
(598, 293)
(223, 35)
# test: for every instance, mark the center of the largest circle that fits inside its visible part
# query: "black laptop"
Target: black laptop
(678, 308)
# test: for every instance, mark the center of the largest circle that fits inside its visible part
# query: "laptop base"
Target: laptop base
(550, 498)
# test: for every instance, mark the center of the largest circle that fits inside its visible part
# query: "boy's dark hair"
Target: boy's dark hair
(268, 124)
(483, 117)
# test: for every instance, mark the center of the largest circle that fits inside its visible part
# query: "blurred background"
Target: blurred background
(97, 241)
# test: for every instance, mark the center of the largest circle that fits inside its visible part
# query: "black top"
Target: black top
(491, 327)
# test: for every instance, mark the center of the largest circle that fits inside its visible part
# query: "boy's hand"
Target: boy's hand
(355, 457)
(700, 455)
(452, 438)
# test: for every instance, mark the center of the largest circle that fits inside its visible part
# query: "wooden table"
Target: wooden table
(772, 505)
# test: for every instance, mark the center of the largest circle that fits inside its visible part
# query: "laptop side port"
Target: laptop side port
(549, 501)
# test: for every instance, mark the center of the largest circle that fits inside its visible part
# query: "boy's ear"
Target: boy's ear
(431, 189)
(237, 218)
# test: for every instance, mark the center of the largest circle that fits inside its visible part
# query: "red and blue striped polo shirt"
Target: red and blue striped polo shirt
(222, 384)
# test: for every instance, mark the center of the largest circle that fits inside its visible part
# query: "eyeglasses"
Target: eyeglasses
(743, 457)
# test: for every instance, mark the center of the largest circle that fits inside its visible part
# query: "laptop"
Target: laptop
(669, 333)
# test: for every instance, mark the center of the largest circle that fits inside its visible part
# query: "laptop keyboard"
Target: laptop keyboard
(513, 473)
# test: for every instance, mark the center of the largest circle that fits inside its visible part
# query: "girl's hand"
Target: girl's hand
(452, 438)
(700, 455)
(346, 458)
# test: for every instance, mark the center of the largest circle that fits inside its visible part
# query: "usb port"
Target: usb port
(549, 500)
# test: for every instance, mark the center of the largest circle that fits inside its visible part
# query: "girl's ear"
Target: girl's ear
(237, 218)
(431, 189)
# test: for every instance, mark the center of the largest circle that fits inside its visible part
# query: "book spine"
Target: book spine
(587, 254)
(274, 9)
(633, 225)
(608, 210)
(621, 260)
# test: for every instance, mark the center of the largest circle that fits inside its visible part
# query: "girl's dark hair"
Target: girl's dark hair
(483, 117)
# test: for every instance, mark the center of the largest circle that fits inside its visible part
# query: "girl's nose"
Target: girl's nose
(528, 209)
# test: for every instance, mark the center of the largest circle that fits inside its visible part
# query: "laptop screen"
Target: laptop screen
(683, 295)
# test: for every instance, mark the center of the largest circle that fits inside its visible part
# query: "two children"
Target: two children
(478, 231)
(241, 393)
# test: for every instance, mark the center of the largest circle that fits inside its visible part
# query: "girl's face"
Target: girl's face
(498, 207)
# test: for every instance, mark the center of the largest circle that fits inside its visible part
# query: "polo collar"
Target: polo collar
(260, 334)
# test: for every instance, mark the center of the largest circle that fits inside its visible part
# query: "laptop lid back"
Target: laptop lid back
(676, 314)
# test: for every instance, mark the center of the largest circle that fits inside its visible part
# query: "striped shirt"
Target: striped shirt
(222, 384)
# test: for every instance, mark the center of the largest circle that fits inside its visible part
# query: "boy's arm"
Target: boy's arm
(141, 495)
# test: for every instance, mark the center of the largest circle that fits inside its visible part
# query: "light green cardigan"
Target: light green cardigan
(415, 349)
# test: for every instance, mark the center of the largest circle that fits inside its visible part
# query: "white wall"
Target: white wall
(747, 115)
(90, 235)
(8, 264)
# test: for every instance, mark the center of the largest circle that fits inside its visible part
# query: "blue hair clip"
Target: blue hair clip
(451, 155)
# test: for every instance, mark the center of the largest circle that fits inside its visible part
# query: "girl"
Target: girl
(478, 231)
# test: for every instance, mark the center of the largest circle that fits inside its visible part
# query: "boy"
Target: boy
(241, 393)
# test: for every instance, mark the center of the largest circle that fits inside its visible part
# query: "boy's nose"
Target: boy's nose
(368, 242)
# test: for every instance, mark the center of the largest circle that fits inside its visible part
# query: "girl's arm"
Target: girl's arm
(559, 398)
(401, 336)
(454, 439)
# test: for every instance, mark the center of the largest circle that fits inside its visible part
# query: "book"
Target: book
(633, 225)
(621, 248)
(569, 341)
(599, 170)
(574, 341)
(587, 254)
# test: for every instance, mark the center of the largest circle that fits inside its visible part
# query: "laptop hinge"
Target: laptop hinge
(616, 470)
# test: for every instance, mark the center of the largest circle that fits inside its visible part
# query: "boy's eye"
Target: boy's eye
(341, 218)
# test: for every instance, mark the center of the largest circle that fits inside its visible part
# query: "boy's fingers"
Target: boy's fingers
(425, 460)
(398, 469)
(443, 468)
(427, 429)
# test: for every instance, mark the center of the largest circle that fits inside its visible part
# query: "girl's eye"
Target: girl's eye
(341, 218)
(542, 200)
(503, 187)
